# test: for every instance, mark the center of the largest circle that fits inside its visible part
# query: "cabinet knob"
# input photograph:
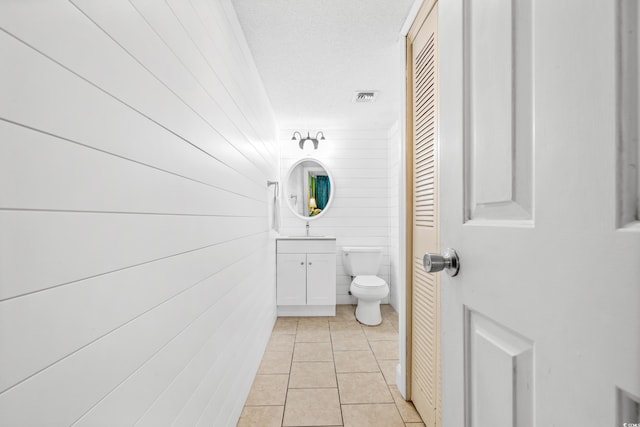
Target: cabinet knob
(309, 263)
(302, 263)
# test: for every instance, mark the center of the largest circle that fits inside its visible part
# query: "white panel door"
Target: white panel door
(542, 325)
(321, 273)
(292, 279)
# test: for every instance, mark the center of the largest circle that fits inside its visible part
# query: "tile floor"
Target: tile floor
(330, 371)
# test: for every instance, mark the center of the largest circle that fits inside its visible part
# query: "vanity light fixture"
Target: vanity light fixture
(297, 136)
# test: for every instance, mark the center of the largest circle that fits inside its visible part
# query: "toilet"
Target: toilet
(362, 264)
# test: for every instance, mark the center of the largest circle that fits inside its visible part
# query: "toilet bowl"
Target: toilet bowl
(362, 263)
(369, 290)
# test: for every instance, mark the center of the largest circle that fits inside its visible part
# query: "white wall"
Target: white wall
(359, 214)
(394, 159)
(137, 279)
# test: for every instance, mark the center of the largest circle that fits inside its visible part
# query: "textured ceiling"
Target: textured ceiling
(314, 54)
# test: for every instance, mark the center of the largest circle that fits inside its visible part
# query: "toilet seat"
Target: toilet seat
(368, 282)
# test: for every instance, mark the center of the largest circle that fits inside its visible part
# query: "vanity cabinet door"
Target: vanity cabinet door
(321, 279)
(292, 279)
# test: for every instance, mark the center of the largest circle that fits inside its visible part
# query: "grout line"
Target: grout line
(333, 357)
(286, 393)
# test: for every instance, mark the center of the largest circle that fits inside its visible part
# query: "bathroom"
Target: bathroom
(364, 168)
(139, 264)
(138, 258)
(328, 364)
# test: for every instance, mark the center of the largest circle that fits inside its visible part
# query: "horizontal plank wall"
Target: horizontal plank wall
(137, 268)
(359, 214)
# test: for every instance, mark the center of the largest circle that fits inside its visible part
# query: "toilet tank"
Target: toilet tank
(361, 260)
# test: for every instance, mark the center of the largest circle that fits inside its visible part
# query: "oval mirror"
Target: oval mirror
(309, 190)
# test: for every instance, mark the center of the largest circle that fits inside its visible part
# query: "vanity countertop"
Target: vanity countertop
(305, 238)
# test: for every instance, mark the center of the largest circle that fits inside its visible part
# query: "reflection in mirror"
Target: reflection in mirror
(309, 188)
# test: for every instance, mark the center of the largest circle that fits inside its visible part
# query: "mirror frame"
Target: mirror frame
(286, 192)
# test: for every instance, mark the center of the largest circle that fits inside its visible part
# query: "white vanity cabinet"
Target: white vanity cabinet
(306, 276)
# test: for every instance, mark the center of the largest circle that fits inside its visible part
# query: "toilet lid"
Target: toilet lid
(368, 282)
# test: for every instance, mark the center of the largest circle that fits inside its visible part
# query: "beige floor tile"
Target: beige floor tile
(345, 312)
(390, 322)
(371, 415)
(355, 361)
(312, 375)
(261, 416)
(312, 352)
(281, 342)
(384, 332)
(276, 362)
(347, 332)
(313, 323)
(285, 325)
(315, 319)
(385, 349)
(414, 425)
(341, 329)
(349, 340)
(407, 410)
(268, 390)
(345, 325)
(363, 388)
(387, 322)
(387, 309)
(319, 335)
(312, 407)
(388, 368)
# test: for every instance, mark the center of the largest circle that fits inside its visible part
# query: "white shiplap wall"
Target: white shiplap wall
(359, 214)
(394, 156)
(137, 269)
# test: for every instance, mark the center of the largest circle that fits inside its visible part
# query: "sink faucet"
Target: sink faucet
(307, 228)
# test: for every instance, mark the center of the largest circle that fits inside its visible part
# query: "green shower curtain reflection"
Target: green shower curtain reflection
(319, 191)
(323, 189)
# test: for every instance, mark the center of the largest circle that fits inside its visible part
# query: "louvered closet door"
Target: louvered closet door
(425, 346)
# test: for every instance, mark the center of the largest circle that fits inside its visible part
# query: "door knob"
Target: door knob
(449, 262)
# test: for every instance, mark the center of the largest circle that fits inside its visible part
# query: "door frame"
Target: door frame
(419, 10)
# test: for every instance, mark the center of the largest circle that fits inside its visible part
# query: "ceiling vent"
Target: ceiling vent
(368, 96)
